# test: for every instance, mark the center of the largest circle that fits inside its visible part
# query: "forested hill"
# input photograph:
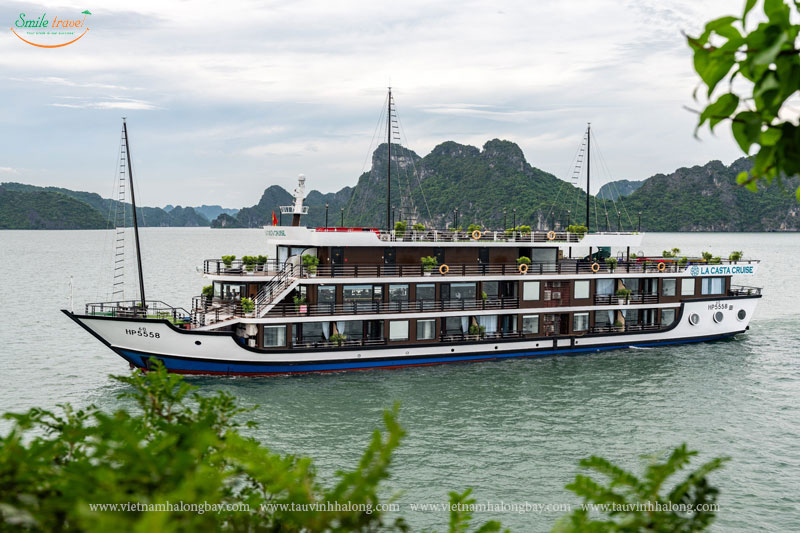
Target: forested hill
(482, 183)
(30, 207)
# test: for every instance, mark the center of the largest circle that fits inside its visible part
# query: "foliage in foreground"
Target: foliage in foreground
(766, 57)
(627, 503)
(180, 447)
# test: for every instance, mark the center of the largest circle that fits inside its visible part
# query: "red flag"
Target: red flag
(274, 218)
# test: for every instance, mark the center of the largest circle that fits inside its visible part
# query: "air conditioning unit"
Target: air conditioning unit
(556, 296)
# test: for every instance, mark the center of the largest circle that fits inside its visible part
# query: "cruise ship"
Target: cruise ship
(327, 299)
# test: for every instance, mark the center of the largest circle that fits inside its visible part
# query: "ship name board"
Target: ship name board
(721, 270)
(276, 233)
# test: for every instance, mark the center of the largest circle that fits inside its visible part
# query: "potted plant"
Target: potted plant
(338, 339)
(418, 227)
(706, 256)
(248, 306)
(484, 296)
(298, 301)
(623, 294)
(428, 264)
(228, 260)
(524, 260)
(474, 227)
(619, 325)
(715, 260)
(578, 229)
(666, 253)
(736, 256)
(682, 262)
(611, 262)
(524, 230)
(477, 331)
(400, 228)
(249, 262)
(261, 260)
(310, 263)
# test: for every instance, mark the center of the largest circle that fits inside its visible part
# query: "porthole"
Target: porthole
(694, 319)
(452, 349)
(718, 316)
(495, 347)
(742, 314)
(198, 343)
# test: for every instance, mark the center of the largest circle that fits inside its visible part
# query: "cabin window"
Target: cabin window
(604, 286)
(398, 330)
(426, 291)
(667, 317)
(580, 321)
(453, 325)
(398, 293)
(274, 336)
(360, 295)
(313, 331)
(491, 288)
(603, 318)
(530, 324)
(463, 291)
(632, 284)
(668, 287)
(326, 294)
(530, 290)
(426, 330)
(508, 323)
(713, 286)
(353, 330)
(631, 316)
(581, 289)
(687, 287)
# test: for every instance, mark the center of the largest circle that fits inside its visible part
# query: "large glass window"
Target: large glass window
(687, 287)
(315, 331)
(463, 291)
(398, 330)
(326, 294)
(603, 318)
(581, 289)
(631, 316)
(452, 325)
(713, 286)
(352, 329)
(398, 293)
(604, 286)
(632, 284)
(491, 288)
(357, 293)
(667, 317)
(530, 290)
(426, 330)
(426, 291)
(580, 321)
(274, 336)
(668, 287)
(530, 324)
(228, 291)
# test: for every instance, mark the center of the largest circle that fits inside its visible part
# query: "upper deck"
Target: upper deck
(298, 236)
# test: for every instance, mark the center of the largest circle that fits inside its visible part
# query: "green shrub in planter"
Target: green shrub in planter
(418, 227)
(736, 256)
(228, 260)
(429, 263)
(707, 256)
(682, 262)
(400, 227)
(477, 330)
(310, 262)
(523, 260)
(474, 227)
(612, 263)
(208, 291)
(338, 339)
(247, 305)
(715, 260)
(578, 229)
(261, 259)
(623, 293)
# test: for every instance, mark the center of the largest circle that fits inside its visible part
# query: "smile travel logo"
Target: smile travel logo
(44, 32)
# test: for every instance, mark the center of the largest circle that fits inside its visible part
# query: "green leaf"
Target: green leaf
(770, 136)
(719, 110)
(746, 129)
(750, 4)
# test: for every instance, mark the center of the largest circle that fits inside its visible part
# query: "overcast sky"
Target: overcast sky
(225, 98)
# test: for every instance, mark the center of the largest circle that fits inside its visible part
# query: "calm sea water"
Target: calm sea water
(514, 430)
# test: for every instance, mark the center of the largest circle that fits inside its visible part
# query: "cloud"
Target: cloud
(8, 170)
(113, 103)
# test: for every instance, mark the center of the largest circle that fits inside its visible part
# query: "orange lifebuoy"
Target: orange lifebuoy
(595, 267)
(662, 267)
(444, 269)
(523, 268)
(476, 235)
(551, 235)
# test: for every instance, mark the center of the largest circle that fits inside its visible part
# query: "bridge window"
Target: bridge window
(687, 287)
(668, 287)
(713, 286)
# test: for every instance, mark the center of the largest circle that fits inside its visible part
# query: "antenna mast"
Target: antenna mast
(135, 221)
(389, 162)
(588, 163)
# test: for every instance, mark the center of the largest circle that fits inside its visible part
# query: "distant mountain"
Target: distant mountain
(706, 198)
(45, 210)
(210, 212)
(103, 208)
(614, 189)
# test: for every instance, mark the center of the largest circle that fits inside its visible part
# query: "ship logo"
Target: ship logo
(695, 270)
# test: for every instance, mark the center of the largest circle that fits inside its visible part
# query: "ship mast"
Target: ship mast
(135, 220)
(389, 162)
(588, 163)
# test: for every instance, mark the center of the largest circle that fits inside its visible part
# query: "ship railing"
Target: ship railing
(742, 290)
(153, 309)
(449, 235)
(240, 267)
(206, 313)
(342, 344)
(633, 298)
(627, 327)
(375, 307)
(460, 337)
